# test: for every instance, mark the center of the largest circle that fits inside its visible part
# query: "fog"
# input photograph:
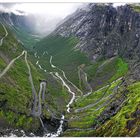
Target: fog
(47, 15)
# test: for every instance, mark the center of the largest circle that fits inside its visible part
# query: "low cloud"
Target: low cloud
(46, 15)
(7, 8)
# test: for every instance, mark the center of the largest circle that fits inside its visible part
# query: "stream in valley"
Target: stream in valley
(56, 75)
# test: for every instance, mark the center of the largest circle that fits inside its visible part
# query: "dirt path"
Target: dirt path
(6, 34)
(102, 98)
(10, 64)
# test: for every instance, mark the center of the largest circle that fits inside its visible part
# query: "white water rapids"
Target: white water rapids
(59, 130)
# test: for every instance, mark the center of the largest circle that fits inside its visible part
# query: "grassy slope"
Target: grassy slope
(118, 125)
(124, 123)
(2, 31)
(103, 72)
(135, 7)
(125, 115)
(87, 117)
(15, 91)
(67, 59)
(64, 56)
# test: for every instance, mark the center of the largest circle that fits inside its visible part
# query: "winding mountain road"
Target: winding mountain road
(41, 93)
(6, 34)
(102, 98)
(83, 76)
(34, 93)
(10, 64)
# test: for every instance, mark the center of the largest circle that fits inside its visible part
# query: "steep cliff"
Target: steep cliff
(105, 31)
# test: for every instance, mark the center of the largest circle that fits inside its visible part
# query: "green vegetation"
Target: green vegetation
(27, 38)
(21, 121)
(64, 55)
(57, 96)
(119, 123)
(2, 64)
(124, 123)
(2, 31)
(10, 47)
(16, 93)
(96, 95)
(86, 117)
(15, 88)
(121, 69)
(103, 72)
(135, 7)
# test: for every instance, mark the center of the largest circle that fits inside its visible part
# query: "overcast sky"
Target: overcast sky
(54, 9)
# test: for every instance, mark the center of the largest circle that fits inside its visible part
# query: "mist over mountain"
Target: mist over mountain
(43, 22)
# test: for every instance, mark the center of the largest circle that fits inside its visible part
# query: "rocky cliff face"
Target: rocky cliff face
(106, 31)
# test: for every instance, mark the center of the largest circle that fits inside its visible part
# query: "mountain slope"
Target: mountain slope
(102, 30)
(108, 37)
(15, 89)
(25, 105)
(81, 80)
